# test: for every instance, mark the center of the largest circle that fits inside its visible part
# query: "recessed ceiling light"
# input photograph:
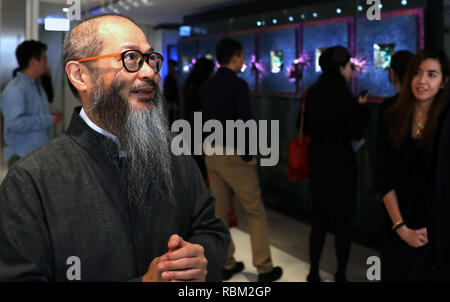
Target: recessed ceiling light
(148, 3)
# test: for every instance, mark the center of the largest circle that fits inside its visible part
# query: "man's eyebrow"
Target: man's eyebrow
(133, 46)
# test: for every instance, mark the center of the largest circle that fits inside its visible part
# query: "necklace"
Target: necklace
(419, 130)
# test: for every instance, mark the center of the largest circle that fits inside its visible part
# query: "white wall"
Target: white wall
(12, 16)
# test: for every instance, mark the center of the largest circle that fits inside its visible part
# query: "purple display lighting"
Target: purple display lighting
(295, 70)
(257, 67)
(359, 64)
(194, 60)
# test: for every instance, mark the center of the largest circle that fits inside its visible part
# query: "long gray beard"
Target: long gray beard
(144, 138)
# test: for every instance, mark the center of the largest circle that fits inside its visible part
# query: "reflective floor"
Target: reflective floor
(289, 246)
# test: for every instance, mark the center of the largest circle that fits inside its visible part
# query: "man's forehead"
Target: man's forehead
(143, 48)
(123, 35)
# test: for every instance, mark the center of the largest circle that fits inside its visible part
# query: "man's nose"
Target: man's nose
(146, 71)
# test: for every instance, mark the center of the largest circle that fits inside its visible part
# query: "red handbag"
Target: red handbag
(297, 166)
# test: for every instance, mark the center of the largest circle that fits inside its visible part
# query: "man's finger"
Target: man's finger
(183, 264)
(193, 274)
(187, 251)
(175, 242)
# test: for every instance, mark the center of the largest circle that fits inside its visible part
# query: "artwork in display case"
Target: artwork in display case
(186, 63)
(207, 48)
(276, 60)
(382, 54)
(187, 52)
(318, 36)
(319, 52)
(375, 43)
(247, 40)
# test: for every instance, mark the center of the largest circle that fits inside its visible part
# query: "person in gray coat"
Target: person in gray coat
(108, 201)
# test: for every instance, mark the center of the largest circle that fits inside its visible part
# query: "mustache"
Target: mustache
(148, 84)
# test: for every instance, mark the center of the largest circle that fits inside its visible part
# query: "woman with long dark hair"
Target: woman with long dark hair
(202, 70)
(406, 137)
(333, 119)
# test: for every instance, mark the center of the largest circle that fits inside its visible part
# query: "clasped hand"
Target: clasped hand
(414, 238)
(183, 262)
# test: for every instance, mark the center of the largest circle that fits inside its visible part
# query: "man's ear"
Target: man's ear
(32, 62)
(79, 79)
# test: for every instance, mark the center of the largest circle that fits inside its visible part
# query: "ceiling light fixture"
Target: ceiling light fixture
(148, 3)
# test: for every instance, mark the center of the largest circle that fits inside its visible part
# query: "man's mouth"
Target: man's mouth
(143, 95)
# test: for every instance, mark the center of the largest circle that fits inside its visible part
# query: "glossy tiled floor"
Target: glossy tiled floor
(289, 246)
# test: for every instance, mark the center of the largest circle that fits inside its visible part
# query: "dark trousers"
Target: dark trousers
(333, 187)
(341, 227)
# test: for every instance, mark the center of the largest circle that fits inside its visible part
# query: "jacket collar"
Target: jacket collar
(88, 138)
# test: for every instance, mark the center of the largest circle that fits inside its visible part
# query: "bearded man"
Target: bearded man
(108, 201)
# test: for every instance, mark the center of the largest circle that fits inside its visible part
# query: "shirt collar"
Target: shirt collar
(25, 78)
(97, 129)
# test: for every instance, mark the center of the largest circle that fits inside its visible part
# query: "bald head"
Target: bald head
(85, 40)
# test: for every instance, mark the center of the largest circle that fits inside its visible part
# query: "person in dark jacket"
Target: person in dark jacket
(122, 206)
(440, 231)
(406, 137)
(201, 71)
(333, 119)
(225, 96)
(171, 92)
(434, 265)
(397, 71)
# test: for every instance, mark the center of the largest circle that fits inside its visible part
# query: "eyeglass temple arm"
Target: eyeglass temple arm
(99, 57)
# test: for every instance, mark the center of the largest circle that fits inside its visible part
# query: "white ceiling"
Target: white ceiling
(157, 12)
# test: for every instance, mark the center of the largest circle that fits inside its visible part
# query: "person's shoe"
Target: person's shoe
(273, 275)
(228, 273)
(313, 277)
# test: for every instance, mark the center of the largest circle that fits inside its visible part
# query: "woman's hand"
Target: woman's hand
(414, 238)
(362, 99)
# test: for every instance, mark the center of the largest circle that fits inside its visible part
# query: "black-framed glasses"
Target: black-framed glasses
(133, 59)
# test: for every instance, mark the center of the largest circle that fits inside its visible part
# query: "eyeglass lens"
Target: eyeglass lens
(134, 60)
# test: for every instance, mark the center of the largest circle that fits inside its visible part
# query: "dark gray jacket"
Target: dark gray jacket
(66, 199)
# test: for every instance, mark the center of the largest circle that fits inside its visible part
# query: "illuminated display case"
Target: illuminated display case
(248, 41)
(317, 36)
(278, 48)
(397, 30)
(187, 51)
(207, 47)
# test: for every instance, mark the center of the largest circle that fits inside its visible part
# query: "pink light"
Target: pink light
(257, 67)
(296, 68)
(359, 64)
